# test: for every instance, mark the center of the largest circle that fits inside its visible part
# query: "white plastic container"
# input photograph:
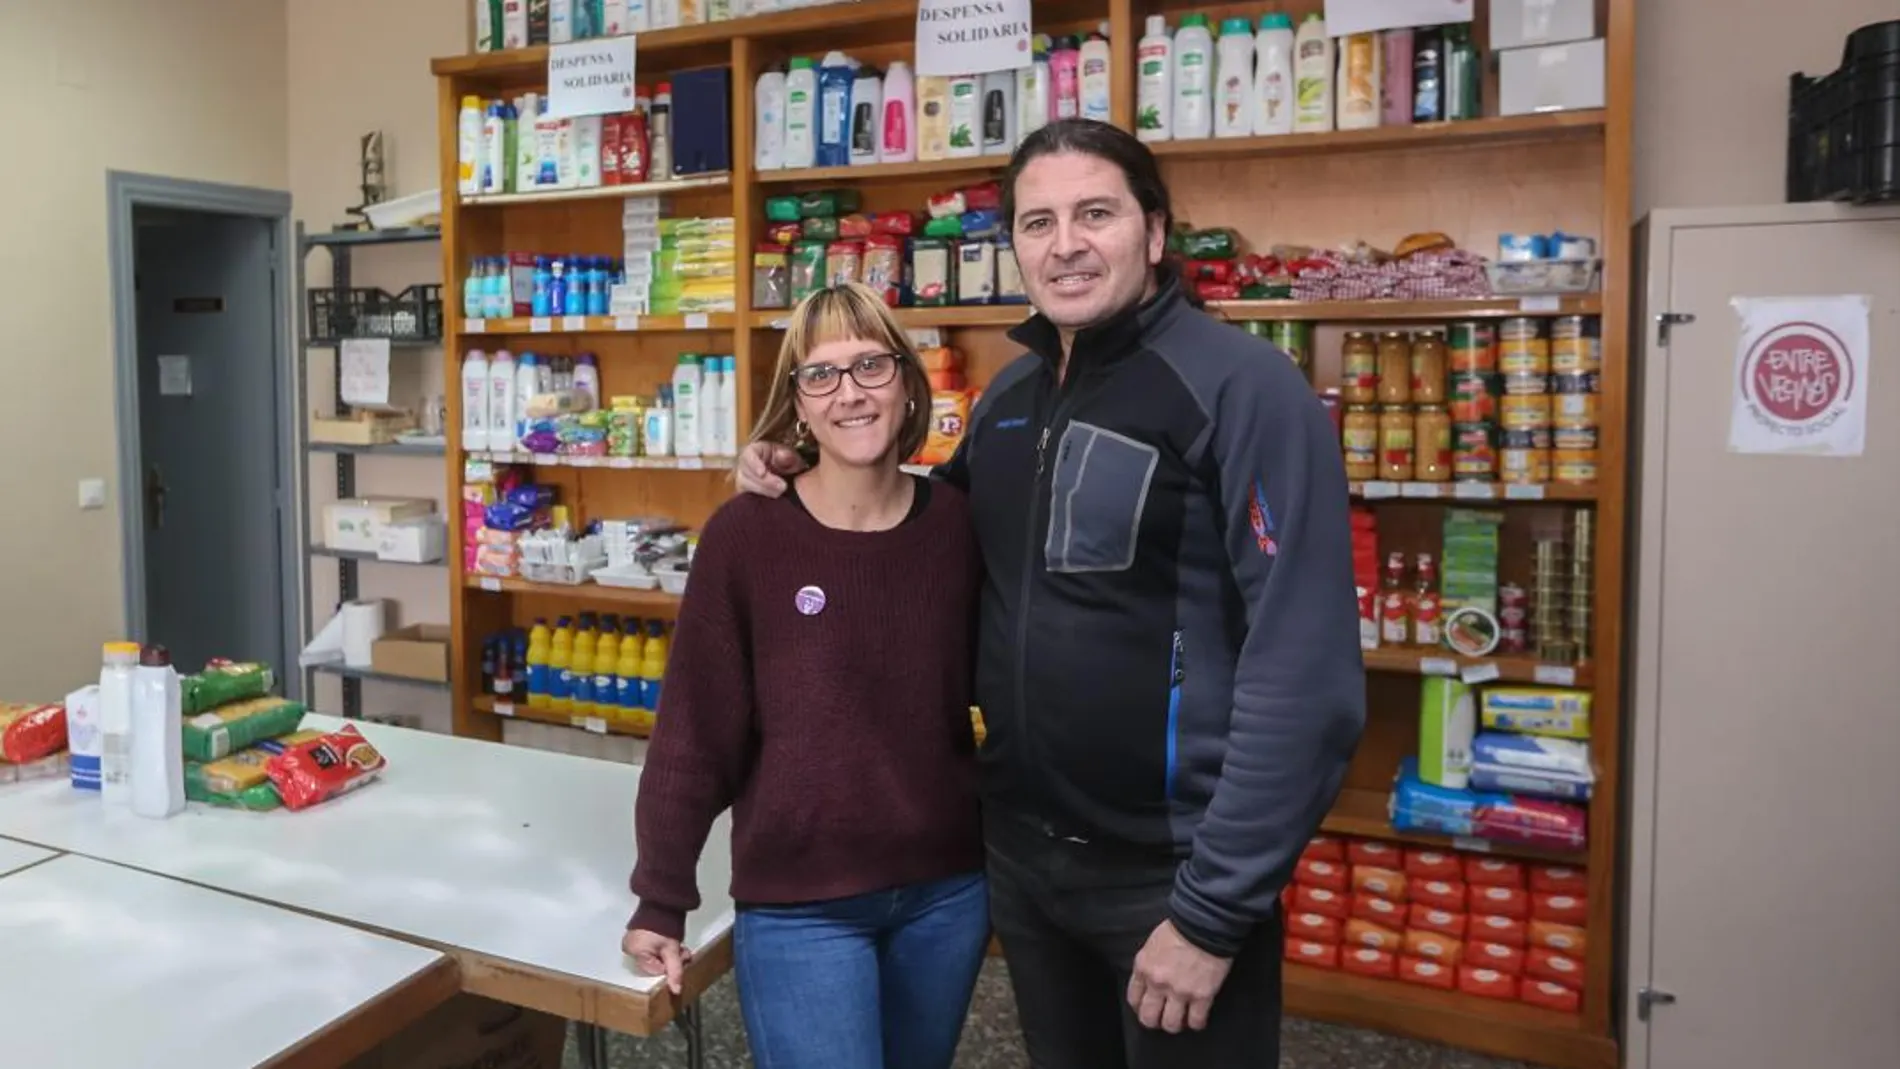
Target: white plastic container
(158, 745)
(801, 114)
(501, 401)
(867, 111)
(1033, 102)
(999, 113)
(1312, 77)
(586, 151)
(1093, 78)
(728, 406)
(527, 384)
(82, 737)
(897, 128)
(587, 380)
(1273, 75)
(1154, 82)
(485, 38)
(768, 107)
(1233, 80)
(687, 375)
(656, 433)
(1193, 79)
(560, 22)
(712, 370)
(468, 149)
(966, 116)
(117, 681)
(1361, 79)
(933, 117)
(514, 23)
(475, 401)
(497, 163)
(527, 112)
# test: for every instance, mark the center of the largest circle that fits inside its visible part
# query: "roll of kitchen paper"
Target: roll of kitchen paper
(363, 623)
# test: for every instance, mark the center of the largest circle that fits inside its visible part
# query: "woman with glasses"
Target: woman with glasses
(819, 685)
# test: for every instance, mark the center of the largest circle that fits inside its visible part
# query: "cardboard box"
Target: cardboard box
(1526, 23)
(359, 428)
(1552, 78)
(469, 1030)
(356, 524)
(419, 651)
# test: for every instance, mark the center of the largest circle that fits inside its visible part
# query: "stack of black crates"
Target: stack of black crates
(1844, 127)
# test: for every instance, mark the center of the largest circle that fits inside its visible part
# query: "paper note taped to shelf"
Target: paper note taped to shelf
(626, 322)
(1473, 491)
(504, 708)
(972, 36)
(1524, 492)
(1800, 382)
(1437, 666)
(573, 322)
(365, 372)
(1545, 303)
(1481, 672)
(1377, 489)
(1421, 490)
(1555, 675)
(593, 77)
(491, 584)
(1345, 17)
(596, 725)
(474, 326)
(698, 321)
(541, 325)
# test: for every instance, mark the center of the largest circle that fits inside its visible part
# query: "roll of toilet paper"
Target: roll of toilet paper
(363, 623)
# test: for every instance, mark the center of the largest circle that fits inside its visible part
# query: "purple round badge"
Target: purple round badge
(810, 600)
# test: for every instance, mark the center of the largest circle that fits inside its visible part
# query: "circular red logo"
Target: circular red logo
(1797, 373)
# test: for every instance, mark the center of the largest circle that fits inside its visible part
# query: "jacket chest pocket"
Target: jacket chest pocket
(1098, 490)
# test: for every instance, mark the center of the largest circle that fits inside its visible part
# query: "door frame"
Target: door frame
(126, 191)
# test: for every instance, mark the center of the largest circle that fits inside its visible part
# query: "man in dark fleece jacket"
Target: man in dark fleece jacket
(1168, 661)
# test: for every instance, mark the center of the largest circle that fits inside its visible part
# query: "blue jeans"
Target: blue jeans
(875, 981)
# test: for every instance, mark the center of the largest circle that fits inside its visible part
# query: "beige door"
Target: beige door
(1765, 841)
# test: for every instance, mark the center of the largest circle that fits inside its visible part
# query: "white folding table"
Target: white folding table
(15, 856)
(103, 966)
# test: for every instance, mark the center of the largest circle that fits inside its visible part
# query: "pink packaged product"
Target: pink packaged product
(1535, 822)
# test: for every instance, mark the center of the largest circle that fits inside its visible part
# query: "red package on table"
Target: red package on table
(324, 767)
(30, 732)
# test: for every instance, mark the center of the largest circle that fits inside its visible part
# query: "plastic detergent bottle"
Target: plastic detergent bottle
(653, 666)
(560, 656)
(1154, 82)
(538, 640)
(158, 731)
(1092, 80)
(475, 290)
(633, 649)
(498, 301)
(686, 385)
(475, 401)
(933, 117)
(1312, 77)
(580, 668)
(1064, 63)
(1033, 102)
(897, 129)
(468, 150)
(497, 153)
(587, 379)
(1273, 75)
(727, 405)
(501, 402)
(116, 682)
(835, 76)
(1233, 80)
(801, 114)
(768, 106)
(660, 135)
(1193, 79)
(606, 662)
(966, 116)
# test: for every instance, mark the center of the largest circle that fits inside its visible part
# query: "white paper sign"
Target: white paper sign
(972, 36)
(1800, 382)
(1363, 16)
(365, 371)
(593, 77)
(174, 376)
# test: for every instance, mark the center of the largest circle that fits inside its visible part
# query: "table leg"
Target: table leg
(689, 1026)
(592, 1041)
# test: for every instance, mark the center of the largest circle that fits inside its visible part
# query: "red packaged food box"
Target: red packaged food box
(1317, 927)
(1493, 872)
(1486, 983)
(1563, 909)
(1495, 956)
(1379, 911)
(1563, 938)
(1388, 884)
(1433, 865)
(1429, 973)
(1551, 996)
(1368, 934)
(1323, 848)
(1443, 921)
(1328, 874)
(1439, 894)
(1320, 900)
(1367, 961)
(1498, 929)
(1550, 965)
(1308, 952)
(1433, 947)
(1376, 854)
(1500, 902)
(1559, 880)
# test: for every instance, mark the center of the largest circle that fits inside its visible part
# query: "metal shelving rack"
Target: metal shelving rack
(342, 245)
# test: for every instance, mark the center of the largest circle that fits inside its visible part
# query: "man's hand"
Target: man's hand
(1174, 982)
(762, 466)
(656, 955)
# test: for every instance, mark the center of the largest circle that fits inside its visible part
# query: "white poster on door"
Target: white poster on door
(1800, 382)
(1345, 17)
(972, 36)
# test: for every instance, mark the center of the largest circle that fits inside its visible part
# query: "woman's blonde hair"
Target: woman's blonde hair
(848, 312)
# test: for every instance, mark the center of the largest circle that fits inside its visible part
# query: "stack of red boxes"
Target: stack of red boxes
(1467, 922)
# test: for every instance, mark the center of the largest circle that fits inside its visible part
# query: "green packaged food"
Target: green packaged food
(227, 729)
(1217, 243)
(826, 202)
(781, 209)
(819, 228)
(242, 780)
(222, 682)
(950, 226)
(808, 269)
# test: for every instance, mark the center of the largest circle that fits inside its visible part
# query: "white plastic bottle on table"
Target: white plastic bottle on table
(897, 128)
(117, 681)
(1312, 77)
(1273, 75)
(768, 136)
(501, 401)
(468, 151)
(158, 748)
(1092, 79)
(475, 401)
(801, 114)
(1154, 82)
(1193, 79)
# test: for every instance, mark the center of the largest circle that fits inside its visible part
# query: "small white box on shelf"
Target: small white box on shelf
(421, 540)
(1527, 23)
(356, 525)
(1565, 77)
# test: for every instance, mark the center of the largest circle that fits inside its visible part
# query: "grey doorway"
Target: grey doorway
(201, 303)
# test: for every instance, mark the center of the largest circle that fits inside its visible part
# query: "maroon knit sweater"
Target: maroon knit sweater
(841, 738)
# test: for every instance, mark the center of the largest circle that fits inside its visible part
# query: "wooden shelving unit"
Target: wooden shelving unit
(1472, 180)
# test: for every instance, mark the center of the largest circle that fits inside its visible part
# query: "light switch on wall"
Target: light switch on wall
(92, 493)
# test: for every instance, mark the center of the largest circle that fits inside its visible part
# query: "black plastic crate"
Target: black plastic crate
(1844, 127)
(415, 314)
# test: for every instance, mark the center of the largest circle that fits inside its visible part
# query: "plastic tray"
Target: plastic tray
(1526, 277)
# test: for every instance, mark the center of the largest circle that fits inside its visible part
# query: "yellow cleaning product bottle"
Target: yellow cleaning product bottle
(538, 640)
(652, 671)
(560, 655)
(633, 649)
(581, 669)
(606, 658)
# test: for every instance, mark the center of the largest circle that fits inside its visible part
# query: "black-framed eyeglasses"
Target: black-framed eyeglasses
(869, 371)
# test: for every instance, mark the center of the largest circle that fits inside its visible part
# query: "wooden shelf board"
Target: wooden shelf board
(871, 172)
(1414, 660)
(1362, 813)
(1492, 1026)
(1545, 127)
(638, 189)
(657, 601)
(523, 711)
(549, 460)
(1472, 493)
(970, 315)
(1390, 311)
(600, 324)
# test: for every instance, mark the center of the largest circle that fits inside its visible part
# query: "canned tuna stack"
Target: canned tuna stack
(1576, 362)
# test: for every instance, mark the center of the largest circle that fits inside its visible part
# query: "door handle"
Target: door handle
(154, 498)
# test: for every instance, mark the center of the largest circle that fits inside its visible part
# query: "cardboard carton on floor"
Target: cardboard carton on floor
(469, 1030)
(419, 651)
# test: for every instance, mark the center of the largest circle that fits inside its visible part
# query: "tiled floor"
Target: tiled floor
(990, 1040)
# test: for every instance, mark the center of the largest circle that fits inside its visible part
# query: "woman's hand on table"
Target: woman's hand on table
(656, 955)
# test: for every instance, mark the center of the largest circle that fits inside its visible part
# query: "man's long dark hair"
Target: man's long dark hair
(1115, 145)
